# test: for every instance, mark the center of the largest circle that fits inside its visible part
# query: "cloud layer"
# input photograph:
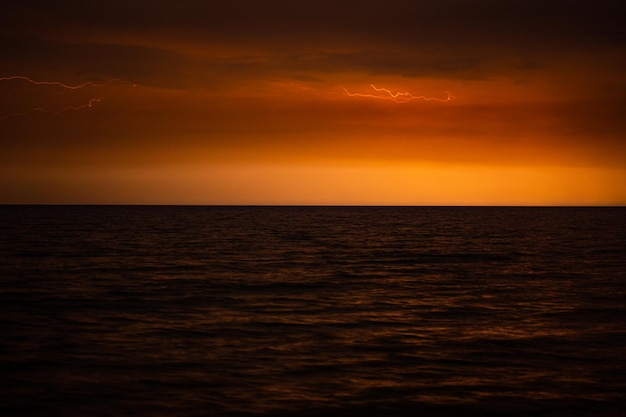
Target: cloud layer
(537, 84)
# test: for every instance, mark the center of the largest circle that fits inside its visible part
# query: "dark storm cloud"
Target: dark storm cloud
(143, 41)
(399, 62)
(135, 63)
(372, 62)
(511, 25)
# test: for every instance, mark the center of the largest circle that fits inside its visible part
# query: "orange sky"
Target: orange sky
(247, 103)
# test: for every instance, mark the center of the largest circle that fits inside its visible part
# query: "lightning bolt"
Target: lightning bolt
(399, 97)
(62, 86)
(23, 113)
(63, 110)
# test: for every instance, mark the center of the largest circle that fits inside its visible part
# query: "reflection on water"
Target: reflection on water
(168, 311)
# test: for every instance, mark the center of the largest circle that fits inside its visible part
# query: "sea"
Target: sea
(312, 311)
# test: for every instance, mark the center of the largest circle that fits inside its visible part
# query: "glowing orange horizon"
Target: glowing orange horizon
(296, 144)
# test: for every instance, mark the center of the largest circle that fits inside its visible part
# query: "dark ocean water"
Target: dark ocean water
(312, 311)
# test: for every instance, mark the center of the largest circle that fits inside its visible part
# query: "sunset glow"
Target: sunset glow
(317, 105)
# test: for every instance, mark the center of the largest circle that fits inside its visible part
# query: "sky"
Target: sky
(447, 102)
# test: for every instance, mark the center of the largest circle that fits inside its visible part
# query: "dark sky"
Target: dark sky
(247, 102)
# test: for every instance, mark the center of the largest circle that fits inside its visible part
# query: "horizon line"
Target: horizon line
(320, 205)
